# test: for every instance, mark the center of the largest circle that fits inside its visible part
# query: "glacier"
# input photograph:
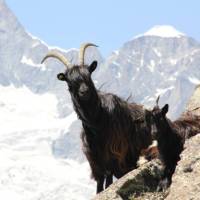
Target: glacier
(29, 168)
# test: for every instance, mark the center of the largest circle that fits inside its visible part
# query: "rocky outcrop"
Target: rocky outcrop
(186, 180)
(142, 183)
(194, 101)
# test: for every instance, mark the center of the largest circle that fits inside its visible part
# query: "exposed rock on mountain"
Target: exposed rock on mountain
(194, 102)
(139, 184)
(186, 180)
(153, 64)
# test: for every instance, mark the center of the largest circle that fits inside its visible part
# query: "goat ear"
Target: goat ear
(165, 109)
(61, 77)
(92, 67)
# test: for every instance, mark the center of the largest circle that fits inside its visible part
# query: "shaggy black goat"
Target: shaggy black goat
(111, 140)
(171, 137)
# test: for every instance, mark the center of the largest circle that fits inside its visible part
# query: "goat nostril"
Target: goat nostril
(83, 88)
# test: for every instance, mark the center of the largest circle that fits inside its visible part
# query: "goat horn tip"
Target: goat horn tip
(42, 61)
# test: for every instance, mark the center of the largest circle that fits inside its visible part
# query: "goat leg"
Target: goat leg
(100, 182)
(109, 180)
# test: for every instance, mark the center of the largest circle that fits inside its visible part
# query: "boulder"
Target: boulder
(141, 183)
(186, 179)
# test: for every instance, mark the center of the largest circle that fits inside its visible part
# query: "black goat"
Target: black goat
(171, 137)
(111, 140)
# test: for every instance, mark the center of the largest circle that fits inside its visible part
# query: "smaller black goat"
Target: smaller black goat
(171, 137)
(170, 143)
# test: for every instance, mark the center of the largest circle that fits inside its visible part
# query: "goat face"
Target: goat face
(77, 77)
(155, 118)
(158, 114)
(79, 81)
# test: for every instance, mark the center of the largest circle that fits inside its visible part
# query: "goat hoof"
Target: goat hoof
(163, 185)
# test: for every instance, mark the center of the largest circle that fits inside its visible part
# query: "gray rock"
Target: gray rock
(138, 184)
(194, 102)
(142, 183)
(186, 180)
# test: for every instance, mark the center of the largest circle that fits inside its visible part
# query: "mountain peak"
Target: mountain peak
(166, 31)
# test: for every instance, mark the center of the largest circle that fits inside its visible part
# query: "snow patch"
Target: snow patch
(36, 38)
(194, 80)
(157, 52)
(176, 73)
(62, 50)
(148, 99)
(173, 61)
(115, 63)
(151, 66)
(29, 61)
(141, 62)
(172, 78)
(165, 31)
(118, 75)
(151, 99)
(95, 82)
(24, 110)
(49, 47)
(161, 91)
(116, 52)
(35, 44)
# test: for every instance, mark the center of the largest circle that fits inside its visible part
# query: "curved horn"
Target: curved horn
(59, 56)
(82, 52)
(157, 100)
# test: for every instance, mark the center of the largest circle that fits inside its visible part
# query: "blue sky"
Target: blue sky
(108, 23)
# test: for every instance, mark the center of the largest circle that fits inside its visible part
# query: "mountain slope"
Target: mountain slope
(194, 102)
(21, 54)
(151, 65)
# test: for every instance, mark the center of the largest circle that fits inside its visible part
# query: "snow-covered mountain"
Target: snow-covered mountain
(161, 61)
(40, 149)
(21, 54)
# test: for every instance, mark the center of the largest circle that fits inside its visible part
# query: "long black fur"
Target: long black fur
(111, 140)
